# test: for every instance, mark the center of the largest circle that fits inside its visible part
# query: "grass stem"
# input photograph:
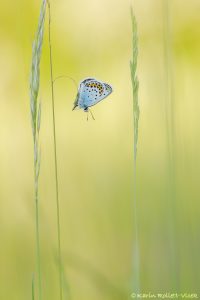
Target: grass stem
(33, 288)
(136, 114)
(38, 244)
(55, 152)
(169, 117)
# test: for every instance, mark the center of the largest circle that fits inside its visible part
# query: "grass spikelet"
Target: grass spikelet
(136, 114)
(35, 107)
(135, 82)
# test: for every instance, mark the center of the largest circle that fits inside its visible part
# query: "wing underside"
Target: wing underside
(91, 91)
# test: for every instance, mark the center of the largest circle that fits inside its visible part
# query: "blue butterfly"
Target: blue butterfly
(90, 92)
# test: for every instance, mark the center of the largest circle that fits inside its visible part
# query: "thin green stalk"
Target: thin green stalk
(35, 108)
(169, 117)
(65, 285)
(38, 243)
(169, 109)
(33, 288)
(36, 174)
(55, 153)
(136, 114)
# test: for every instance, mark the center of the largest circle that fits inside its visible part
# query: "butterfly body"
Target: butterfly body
(90, 92)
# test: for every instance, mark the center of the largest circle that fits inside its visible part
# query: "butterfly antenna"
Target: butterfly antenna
(91, 114)
(63, 76)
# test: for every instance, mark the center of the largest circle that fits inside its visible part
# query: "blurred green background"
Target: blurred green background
(95, 158)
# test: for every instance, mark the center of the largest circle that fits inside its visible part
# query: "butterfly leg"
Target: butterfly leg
(91, 113)
(86, 110)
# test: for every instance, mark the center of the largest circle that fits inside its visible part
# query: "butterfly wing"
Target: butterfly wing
(80, 97)
(92, 91)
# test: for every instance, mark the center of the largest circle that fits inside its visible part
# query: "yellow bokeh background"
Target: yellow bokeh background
(95, 158)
